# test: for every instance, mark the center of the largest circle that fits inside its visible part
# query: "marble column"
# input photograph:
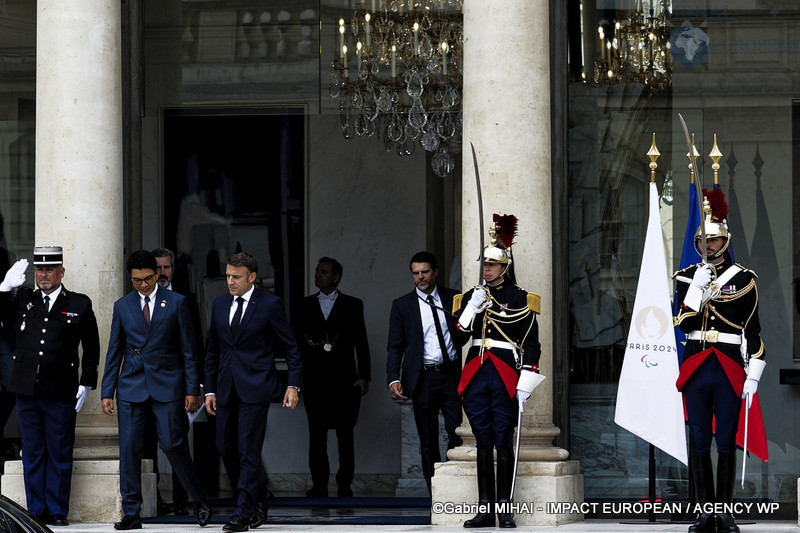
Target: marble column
(507, 119)
(79, 206)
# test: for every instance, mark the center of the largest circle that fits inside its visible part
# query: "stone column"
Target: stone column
(507, 119)
(79, 193)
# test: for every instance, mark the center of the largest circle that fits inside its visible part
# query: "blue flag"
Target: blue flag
(689, 257)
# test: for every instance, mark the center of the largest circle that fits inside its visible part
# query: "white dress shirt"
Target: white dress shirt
(433, 353)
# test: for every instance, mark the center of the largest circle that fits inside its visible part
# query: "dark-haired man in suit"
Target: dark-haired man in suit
(333, 337)
(248, 330)
(151, 365)
(423, 361)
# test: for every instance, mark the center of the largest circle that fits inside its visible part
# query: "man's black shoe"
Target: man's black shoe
(180, 509)
(43, 518)
(58, 520)
(237, 524)
(261, 511)
(129, 521)
(203, 512)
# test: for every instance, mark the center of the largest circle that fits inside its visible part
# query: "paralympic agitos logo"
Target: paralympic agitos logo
(651, 324)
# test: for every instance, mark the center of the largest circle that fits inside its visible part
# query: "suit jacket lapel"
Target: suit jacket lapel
(416, 312)
(161, 299)
(59, 303)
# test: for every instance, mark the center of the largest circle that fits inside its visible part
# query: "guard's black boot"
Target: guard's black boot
(704, 488)
(485, 516)
(505, 476)
(726, 477)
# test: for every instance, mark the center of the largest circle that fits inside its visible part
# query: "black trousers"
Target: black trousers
(436, 391)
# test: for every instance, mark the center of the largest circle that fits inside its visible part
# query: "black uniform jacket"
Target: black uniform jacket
(46, 360)
(335, 352)
(513, 313)
(732, 312)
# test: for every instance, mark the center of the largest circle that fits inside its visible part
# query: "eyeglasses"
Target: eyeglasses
(148, 280)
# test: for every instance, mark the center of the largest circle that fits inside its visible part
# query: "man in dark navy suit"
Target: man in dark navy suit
(50, 323)
(151, 365)
(336, 373)
(248, 330)
(423, 361)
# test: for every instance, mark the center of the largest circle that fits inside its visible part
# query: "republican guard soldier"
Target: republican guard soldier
(500, 368)
(723, 358)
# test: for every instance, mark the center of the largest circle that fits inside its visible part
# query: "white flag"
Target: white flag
(648, 403)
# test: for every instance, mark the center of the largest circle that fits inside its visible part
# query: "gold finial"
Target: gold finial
(715, 156)
(689, 156)
(653, 153)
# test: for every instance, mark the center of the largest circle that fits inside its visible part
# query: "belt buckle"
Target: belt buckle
(486, 343)
(712, 335)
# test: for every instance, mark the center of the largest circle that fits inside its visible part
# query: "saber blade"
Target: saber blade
(480, 209)
(698, 189)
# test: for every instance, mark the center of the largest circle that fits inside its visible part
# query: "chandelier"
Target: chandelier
(398, 76)
(637, 49)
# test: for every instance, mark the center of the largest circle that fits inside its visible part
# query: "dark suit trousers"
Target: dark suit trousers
(48, 437)
(435, 392)
(320, 420)
(171, 422)
(241, 427)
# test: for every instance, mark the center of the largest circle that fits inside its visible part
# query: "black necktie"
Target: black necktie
(46, 303)
(146, 310)
(439, 334)
(237, 317)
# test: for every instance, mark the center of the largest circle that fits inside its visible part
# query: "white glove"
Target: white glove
(754, 369)
(479, 298)
(15, 276)
(702, 276)
(528, 381)
(83, 393)
(696, 295)
(749, 389)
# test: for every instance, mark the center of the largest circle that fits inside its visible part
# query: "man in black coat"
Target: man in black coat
(50, 323)
(333, 337)
(423, 361)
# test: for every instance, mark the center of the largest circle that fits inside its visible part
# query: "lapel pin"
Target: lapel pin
(163, 303)
(29, 306)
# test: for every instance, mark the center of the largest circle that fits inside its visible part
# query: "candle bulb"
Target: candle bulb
(366, 28)
(416, 38)
(358, 55)
(344, 61)
(394, 61)
(444, 58)
(341, 38)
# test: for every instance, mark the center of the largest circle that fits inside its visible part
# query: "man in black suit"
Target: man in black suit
(333, 336)
(423, 361)
(51, 322)
(248, 331)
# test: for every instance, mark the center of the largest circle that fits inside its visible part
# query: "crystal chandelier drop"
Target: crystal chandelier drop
(637, 49)
(398, 76)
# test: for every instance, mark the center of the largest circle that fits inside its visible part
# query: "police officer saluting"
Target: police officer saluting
(500, 370)
(49, 378)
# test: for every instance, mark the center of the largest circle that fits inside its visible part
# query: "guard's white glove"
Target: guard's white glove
(697, 294)
(749, 389)
(15, 276)
(477, 303)
(83, 393)
(702, 276)
(528, 381)
(479, 299)
(754, 369)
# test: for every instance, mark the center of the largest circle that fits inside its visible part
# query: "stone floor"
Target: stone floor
(588, 526)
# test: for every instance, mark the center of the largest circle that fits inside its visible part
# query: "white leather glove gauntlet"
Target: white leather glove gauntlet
(695, 294)
(83, 393)
(477, 303)
(15, 276)
(754, 370)
(528, 381)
